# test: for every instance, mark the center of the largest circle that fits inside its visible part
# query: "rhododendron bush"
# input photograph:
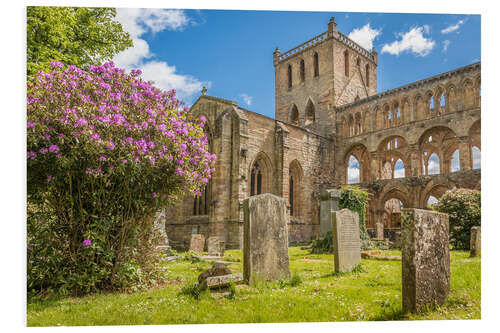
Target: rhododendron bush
(105, 150)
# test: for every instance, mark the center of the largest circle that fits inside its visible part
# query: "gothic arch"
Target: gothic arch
(418, 108)
(260, 175)
(439, 140)
(310, 112)
(295, 190)
(468, 94)
(294, 114)
(360, 152)
(451, 98)
(390, 150)
(436, 190)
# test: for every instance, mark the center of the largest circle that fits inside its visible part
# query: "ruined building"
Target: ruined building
(409, 144)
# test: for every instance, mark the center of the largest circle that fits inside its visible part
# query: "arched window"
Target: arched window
(455, 161)
(476, 158)
(358, 62)
(399, 169)
(310, 113)
(432, 200)
(294, 115)
(367, 72)
(316, 64)
(302, 71)
(442, 101)
(433, 167)
(386, 171)
(353, 170)
(294, 185)
(431, 104)
(346, 63)
(290, 194)
(256, 180)
(289, 76)
(200, 202)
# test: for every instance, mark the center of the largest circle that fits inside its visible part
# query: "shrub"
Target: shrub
(105, 150)
(463, 207)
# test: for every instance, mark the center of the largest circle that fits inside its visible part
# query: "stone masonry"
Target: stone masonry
(327, 112)
(425, 258)
(475, 241)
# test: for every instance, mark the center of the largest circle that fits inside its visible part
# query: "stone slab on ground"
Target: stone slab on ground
(475, 241)
(346, 242)
(217, 269)
(265, 246)
(221, 281)
(378, 255)
(425, 258)
(197, 243)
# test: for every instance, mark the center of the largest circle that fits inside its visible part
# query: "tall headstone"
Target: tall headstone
(346, 242)
(425, 258)
(215, 246)
(380, 231)
(475, 241)
(159, 227)
(329, 203)
(197, 243)
(265, 245)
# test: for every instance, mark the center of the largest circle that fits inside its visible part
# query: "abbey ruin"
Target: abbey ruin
(406, 146)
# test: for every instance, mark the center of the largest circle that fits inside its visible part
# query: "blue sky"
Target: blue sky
(230, 52)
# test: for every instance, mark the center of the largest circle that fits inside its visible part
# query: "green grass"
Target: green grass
(313, 294)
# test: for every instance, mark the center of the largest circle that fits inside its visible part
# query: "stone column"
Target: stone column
(373, 166)
(465, 153)
(380, 231)
(329, 203)
(475, 241)
(425, 258)
(415, 161)
(265, 248)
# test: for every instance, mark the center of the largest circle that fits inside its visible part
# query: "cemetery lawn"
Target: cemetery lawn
(371, 294)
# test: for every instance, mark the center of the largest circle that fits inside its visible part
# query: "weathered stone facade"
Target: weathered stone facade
(327, 110)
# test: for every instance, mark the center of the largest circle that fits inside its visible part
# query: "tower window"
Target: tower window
(346, 63)
(367, 75)
(256, 180)
(316, 64)
(289, 76)
(302, 71)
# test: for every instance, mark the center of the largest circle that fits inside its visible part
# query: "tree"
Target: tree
(105, 150)
(72, 35)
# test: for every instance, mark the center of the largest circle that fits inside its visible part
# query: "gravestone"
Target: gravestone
(215, 246)
(265, 245)
(159, 227)
(346, 242)
(380, 231)
(329, 203)
(475, 241)
(425, 258)
(197, 243)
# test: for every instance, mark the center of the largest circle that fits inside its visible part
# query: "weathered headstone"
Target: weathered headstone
(215, 246)
(197, 243)
(380, 231)
(329, 203)
(425, 258)
(475, 241)
(397, 239)
(265, 246)
(346, 242)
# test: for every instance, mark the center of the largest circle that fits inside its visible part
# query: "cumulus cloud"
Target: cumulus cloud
(247, 99)
(453, 27)
(412, 41)
(137, 22)
(446, 43)
(353, 171)
(433, 165)
(364, 36)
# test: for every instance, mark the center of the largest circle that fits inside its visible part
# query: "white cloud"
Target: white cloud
(433, 165)
(247, 99)
(137, 22)
(353, 171)
(476, 158)
(411, 41)
(453, 27)
(446, 43)
(364, 36)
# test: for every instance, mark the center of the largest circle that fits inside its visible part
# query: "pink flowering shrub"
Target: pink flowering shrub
(105, 150)
(463, 207)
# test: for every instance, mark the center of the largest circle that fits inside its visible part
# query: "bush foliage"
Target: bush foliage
(105, 150)
(463, 207)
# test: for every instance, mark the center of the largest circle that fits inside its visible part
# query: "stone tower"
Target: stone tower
(326, 71)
